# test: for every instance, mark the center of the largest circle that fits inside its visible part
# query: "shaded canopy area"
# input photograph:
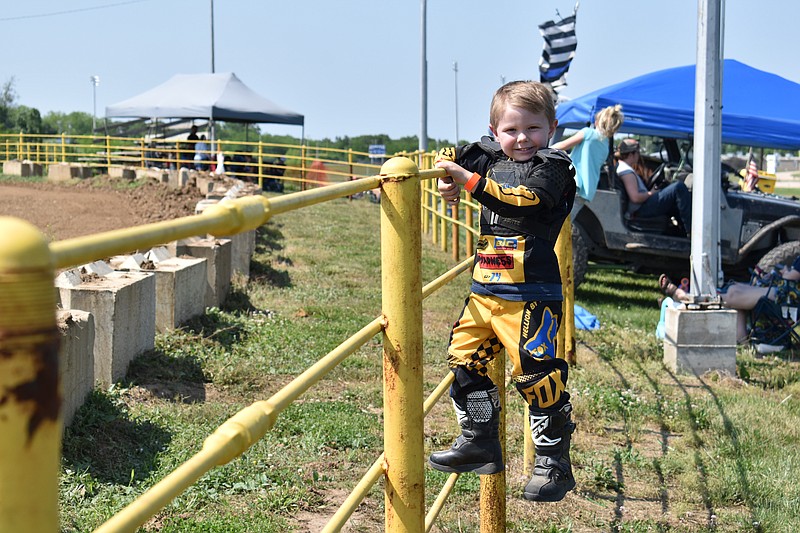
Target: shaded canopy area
(216, 97)
(759, 109)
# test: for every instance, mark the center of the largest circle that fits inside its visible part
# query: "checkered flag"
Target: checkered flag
(560, 43)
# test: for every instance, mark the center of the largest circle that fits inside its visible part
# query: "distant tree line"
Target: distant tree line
(16, 118)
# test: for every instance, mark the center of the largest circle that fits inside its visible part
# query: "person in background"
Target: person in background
(737, 295)
(673, 199)
(188, 148)
(589, 149)
(201, 154)
(526, 191)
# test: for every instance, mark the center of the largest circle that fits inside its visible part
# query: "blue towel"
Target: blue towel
(585, 320)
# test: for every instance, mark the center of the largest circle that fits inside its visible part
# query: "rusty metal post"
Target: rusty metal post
(401, 254)
(30, 398)
(493, 486)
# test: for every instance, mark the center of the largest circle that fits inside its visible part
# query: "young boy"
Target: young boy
(526, 191)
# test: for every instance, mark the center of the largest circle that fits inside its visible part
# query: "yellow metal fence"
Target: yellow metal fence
(254, 161)
(30, 423)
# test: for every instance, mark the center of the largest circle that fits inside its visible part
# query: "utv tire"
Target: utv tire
(580, 256)
(783, 254)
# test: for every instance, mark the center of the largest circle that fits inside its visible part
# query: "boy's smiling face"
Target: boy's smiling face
(522, 133)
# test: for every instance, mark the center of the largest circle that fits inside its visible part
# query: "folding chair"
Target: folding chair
(777, 322)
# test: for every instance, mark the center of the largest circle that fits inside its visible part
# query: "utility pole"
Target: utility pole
(705, 255)
(455, 71)
(95, 82)
(212, 36)
(423, 127)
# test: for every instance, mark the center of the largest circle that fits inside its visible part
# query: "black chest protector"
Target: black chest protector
(551, 174)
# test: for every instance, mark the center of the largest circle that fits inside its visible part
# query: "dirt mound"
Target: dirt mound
(66, 210)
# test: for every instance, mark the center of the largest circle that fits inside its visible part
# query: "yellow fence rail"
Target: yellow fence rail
(254, 161)
(30, 423)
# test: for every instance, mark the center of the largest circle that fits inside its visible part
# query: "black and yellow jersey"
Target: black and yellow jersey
(524, 207)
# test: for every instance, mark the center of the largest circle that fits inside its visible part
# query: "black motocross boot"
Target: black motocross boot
(477, 449)
(552, 470)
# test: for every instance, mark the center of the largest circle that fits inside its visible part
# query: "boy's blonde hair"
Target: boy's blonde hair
(609, 120)
(529, 95)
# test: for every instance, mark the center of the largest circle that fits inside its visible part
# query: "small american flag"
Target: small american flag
(751, 178)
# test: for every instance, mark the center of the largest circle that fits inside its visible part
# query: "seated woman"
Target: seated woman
(673, 199)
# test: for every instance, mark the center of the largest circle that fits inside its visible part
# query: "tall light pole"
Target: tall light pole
(212, 36)
(95, 82)
(455, 75)
(423, 127)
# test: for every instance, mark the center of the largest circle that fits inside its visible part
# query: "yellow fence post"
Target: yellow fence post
(442, 224)
(401, 278)
(468, 213)
(566, 333)
(260, 165)
(303, 168)
(30, 399)
(493, 486)
(455, 232)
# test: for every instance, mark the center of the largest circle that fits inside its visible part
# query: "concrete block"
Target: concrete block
(62, 172)
(134, 261)
(180, 291)
(75, 359)
(16, 168)
(124, 307)
(178, 178)
(206, 183)
(158, 254)
(162, 176)
(98, 268)
(698, 341)
(126, 173)
(217, 253)
(203, 204)
(243, 245)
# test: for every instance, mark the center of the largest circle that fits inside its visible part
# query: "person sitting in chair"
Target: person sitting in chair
(738, 295)
(675, 199)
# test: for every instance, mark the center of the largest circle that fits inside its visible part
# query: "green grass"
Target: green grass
(654, 451)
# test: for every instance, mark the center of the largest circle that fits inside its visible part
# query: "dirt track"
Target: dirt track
(66, 211)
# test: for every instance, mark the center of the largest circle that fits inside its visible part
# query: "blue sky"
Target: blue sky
(352, 67)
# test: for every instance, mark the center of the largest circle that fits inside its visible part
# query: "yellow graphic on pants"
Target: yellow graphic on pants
(546, 392)
(500, 260)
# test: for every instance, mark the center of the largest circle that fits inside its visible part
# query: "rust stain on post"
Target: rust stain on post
(42, 391)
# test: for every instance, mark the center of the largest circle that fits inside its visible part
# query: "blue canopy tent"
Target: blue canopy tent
(759, 109)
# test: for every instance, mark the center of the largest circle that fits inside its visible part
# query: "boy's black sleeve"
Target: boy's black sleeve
(553, 179)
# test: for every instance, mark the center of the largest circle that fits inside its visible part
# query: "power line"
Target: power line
(70, 11)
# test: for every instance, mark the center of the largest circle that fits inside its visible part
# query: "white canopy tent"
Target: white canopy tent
(213, 97)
